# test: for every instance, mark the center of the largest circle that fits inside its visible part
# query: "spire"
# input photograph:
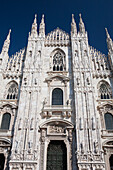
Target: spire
(34, 27)
(73, 27)
(109, 41)
(81, 26)
(5, 48)
(42, 28)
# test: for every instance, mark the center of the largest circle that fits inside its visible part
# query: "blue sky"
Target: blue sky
(19, 15)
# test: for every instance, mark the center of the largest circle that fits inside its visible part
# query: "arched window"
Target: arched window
(6, 121)
(105, 91)
(12, 91)
(57, 97)
(109, 121)
(59, 61)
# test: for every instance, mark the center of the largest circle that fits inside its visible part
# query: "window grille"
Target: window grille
(109, 121)
(58, 62)
(57, 97)
(104, 91)
(12, 92)
(6, 121)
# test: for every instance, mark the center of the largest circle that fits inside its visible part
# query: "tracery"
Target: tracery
(104, 91)
(58, 61)
(12, 92)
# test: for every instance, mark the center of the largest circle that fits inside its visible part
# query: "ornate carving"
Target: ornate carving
(56, 129)
(57, 37)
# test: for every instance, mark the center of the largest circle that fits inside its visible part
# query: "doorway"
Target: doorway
(57, 156)
(111, 162)
(2, 161)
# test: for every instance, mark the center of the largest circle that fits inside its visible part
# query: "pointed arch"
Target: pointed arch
(12, 90)
(58, 60)
(104, 90)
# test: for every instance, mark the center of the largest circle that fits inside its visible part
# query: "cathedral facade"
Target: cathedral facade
(56, 106)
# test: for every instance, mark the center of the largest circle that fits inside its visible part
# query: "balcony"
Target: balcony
(63, 111)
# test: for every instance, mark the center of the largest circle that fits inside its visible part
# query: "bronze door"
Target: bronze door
(57, 156)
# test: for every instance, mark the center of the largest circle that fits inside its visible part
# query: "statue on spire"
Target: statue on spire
(81, 26)
(109, 41)
(34, 27)
(5, 48)
(42, 28)
(73, 27)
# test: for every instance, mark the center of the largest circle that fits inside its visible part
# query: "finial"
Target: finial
(35, 18)
(42, 27)
(81, 25)
(80, 18)
(10, 31)
(73, 27)
(6, 43)
(109, 41)
(8, 37)
(34, 27)
(73, 20)
(42, 21)
(107, 34)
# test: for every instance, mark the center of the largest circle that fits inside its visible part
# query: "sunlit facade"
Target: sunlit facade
(56, 106)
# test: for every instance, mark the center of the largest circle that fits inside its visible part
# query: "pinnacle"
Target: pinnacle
(8, 37)
(80, 18)
(35, 18)
(42, 21)
(73, 20)
(81, 25)
(107, 34)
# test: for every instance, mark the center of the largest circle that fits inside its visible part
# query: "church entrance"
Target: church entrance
(56, 156)
(2, 161)
(111, 162)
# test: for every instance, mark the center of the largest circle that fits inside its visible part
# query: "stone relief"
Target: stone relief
(56, 129)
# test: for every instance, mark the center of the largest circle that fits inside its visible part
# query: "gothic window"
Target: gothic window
(6, 121)
(57, 96)
(109, 121)
(12, 91)
(104, 91)
(59, 61)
